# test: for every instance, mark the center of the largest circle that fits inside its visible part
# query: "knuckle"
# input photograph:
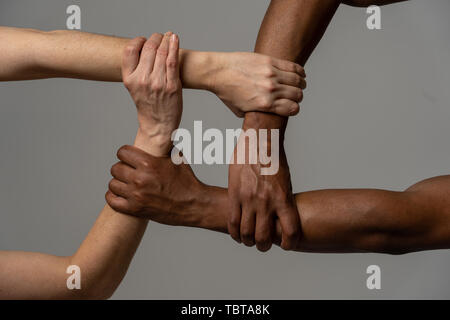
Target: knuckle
(137, 196)
(139, 182)
(146, 164)
(299, 69)
(269, 71)
(143, 82)
(114, 169)
(122, 151)
(269, 85)
(265, 102)
(108, 196)
(171, 88)
(299, 95)
(293, 67)
(298, 80)
(131, 49)
(295, 109)
(303, 83)
(156, 86)
(171, 63)
(291, 232)
(235, 221)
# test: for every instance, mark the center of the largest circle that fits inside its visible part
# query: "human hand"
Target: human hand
(155, 188)
(257, 201)
(247, 81)
(150, 72)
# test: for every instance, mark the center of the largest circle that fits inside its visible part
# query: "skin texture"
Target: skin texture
(106, 252)
(333, 221)
(381, 221)
(291, 30)
(240, 79)
(103, 257)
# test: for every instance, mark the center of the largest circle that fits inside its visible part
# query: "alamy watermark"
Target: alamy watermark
(373, 22)
(252, 147)
(74, 280)
(73, 21)
(373, 282)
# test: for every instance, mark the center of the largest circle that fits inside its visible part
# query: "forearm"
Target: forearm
(291, 29)
(359, 220)
(103, 259)
(32, 54)
(106, 253)
(333, 225)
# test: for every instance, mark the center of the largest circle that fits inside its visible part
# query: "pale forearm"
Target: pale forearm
(103, 259)
(31, 275)
(32, 54)
(107, 251)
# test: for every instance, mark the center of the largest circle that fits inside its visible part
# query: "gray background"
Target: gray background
(376, 114)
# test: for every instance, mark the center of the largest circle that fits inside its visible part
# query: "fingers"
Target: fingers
(291, 79)
(161, 56)
(288, 66)
(263, 233)
(290, 228)
(119, 188)
(133, 156)
(248, 224)
(122, 172)
(285, 107)
(234, 221)
(173, 70)
(289, 92)
(117, 203)
(130, 56)
(148, 54)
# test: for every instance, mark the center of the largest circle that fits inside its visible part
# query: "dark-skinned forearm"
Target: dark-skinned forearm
(358, 220)
(291, 29)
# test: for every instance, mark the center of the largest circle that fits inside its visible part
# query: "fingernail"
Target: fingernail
(168, 33)
(173, 38)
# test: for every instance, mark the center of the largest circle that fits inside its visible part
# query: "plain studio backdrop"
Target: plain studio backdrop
(376, 114)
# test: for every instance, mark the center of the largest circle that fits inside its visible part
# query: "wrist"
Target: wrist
(155, 142)
(212, 208)
(259, 120)
(199, 69)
